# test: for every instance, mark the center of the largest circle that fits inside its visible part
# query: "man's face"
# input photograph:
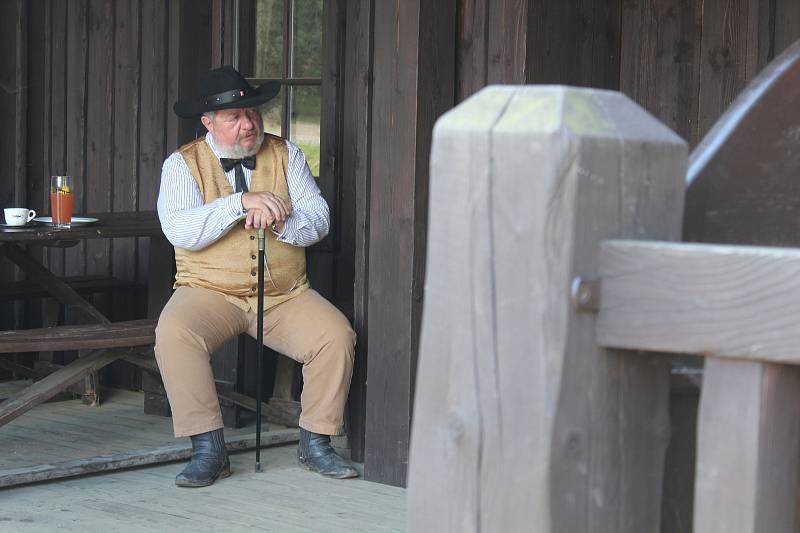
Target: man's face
(239, 129)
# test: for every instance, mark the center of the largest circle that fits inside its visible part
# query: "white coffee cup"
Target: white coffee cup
(18, 216)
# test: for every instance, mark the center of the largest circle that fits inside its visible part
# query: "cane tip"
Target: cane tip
(258, 467)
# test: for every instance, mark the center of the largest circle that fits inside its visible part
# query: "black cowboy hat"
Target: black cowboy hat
(225, 88)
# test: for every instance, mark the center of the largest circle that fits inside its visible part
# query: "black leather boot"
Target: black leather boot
(209, 461)
(316, 454)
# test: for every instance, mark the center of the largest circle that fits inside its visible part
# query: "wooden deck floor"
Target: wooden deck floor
(283, 498)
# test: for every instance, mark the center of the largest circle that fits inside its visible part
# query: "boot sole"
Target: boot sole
(332, 476)
(225, 472)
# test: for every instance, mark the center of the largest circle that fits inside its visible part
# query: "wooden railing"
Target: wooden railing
(556, 285)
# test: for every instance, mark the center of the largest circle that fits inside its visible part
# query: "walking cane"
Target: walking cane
(260, 341)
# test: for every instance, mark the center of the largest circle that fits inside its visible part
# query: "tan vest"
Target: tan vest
(230, 264)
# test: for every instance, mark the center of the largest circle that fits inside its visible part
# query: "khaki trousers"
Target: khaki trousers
(309, 329)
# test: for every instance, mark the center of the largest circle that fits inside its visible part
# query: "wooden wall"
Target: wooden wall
(682, 60)
(13, 104)
(100, 80)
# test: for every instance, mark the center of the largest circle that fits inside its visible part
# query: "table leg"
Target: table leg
(61, 291)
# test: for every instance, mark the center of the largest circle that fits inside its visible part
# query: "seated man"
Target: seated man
(207, 186)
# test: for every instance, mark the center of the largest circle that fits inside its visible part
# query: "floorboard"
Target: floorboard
(283, 498)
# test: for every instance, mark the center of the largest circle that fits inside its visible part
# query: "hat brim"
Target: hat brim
(194, 107)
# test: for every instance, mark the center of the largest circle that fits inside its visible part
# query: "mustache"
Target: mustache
(236, 150)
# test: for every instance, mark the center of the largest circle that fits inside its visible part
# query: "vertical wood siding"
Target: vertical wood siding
(102, 77)
(682, 60)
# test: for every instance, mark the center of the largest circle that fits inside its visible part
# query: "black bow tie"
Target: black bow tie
(247, 162)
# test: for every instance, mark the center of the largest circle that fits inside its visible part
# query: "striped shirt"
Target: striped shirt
(188, 222)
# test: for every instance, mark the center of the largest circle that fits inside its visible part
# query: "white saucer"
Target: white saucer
(13, 226)
(76, 221)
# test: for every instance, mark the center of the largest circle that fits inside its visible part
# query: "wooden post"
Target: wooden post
(521, 423)
(355, 145)
(413, 83)
(748, 446)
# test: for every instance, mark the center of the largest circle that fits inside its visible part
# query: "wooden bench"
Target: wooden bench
(130, 341)
(107, 342)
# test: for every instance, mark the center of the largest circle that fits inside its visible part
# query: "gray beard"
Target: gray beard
(238, 151)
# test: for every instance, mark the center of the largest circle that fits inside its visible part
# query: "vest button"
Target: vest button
(252, 273)
(252, 237)
(252, 257)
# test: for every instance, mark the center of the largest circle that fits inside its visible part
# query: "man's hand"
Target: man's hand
(265, 209)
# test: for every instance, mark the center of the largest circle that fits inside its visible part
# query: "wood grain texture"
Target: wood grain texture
(660, 60)
(97, 182)
(13, 144)
(543, 431)
(409, 37)
(125, 148)
(787, 24)
(748, 445)
(575, 43)
(722, 301)
(74, 113)
(88, 336)
(356, 146)
(153, 113)
(506, 41)
(728, 56)
(471, 47)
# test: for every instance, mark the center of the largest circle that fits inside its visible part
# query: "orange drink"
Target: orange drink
(62, 190)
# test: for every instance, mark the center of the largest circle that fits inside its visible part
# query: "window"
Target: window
(282, 40)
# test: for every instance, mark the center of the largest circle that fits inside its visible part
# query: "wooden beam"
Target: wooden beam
(724, 301)
(748, 448)
(521, 422)
(149, 456)
(46, 388)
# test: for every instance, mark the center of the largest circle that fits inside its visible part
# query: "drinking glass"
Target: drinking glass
(62, 192)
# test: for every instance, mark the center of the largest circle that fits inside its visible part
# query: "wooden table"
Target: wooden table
(97, 332)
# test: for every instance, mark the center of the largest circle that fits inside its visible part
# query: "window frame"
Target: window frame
(287, 81)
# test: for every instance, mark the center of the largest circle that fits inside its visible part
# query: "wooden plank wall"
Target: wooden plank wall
(13, 153)
(682, 60)
(102, 77)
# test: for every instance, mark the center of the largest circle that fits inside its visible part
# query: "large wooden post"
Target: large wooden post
(521, 423)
